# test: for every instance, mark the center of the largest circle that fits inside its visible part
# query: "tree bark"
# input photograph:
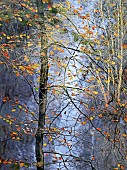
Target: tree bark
(42, 89)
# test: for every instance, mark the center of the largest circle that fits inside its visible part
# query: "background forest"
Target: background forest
(63, 85)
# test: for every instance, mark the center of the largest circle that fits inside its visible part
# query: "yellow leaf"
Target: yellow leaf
(124, 135)
(20, 19)
(50, 139)
(107, 81)
(22, 68)
(17, 138)
(29, 44)
(26, 59)
(45, 144)
(94, 92)
(91, 118)
(10, 122)
(112, 62)
(20, 106)
(67, 2)
(116, 35)
(27, 16)
(112, 5)
(15, 133)
(80, 70)
(118, 165)
(13, 110)
(32, 113)
(119, 56)
(97, 58)
(8, 37)
(64, 65)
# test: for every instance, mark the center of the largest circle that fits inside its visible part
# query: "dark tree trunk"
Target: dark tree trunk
(42, 90)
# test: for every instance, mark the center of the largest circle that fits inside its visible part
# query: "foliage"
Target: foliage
(86, 86)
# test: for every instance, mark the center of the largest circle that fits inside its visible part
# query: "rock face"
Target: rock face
(15, 92)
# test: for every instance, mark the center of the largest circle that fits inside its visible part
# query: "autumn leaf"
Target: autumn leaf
(83, 123)
(112, 5)
(18, 128)
(99, 129)
(45, 144)
(20, 19)
(93, 158)
(13, 110)
(18, 138)
(26, 59)
(22, 68)
(119, 56)
(21, 164)
(14, 133)
(96, 10)
(125, 119)
(94, 92)
(122, 167)
(91, 118)
(45, 1)
(5, 99)
(124, 135)
(50, 138)
(5, 162)
(116, 35)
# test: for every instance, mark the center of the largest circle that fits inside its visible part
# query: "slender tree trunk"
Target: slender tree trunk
(42, 90)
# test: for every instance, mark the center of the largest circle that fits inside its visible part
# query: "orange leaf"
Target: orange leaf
(4, 99)
(93, 158)
(24, 5)
(124, 46)
(116, 35)
(83, 123)
(100, 115)
(21, 164)
(15, 133)
(5, 162)
(122, 167)
(125, 119)
(99, 129)
(18, 128)
(60, 158)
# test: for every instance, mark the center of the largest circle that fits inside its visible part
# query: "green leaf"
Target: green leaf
(16, 167)
(76, 37)
(26, 165)
(36, 89)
